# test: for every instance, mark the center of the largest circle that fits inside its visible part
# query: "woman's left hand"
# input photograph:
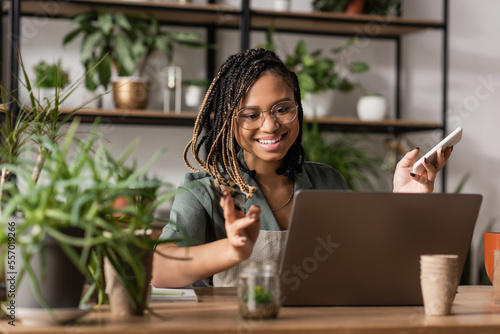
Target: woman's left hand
(408, 182)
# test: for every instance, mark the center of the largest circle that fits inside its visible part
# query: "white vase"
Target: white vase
(193, 95)
(372, 108)
(282, 5)
(319, 104)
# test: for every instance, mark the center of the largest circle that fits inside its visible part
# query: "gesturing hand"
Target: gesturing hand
(406, 181)
(242, 230)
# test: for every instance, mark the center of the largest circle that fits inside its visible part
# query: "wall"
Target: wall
(473, 91)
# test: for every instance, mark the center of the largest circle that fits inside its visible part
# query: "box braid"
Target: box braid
(214, 126)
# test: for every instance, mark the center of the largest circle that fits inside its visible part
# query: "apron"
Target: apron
(270, 245)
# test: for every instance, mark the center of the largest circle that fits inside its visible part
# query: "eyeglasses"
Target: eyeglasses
(251, 118)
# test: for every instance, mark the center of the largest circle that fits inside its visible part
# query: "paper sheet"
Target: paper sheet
(173, 295)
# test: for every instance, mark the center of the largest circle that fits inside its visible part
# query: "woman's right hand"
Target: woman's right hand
(242, 230)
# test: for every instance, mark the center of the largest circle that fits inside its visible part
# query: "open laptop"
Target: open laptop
(355, 248)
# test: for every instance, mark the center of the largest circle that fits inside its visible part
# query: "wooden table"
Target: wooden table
(217, 312)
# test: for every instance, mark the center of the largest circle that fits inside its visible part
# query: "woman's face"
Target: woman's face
(272, 140)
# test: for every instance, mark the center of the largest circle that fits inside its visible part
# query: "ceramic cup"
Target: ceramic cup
(491, 242)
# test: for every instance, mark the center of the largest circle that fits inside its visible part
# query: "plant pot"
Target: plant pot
(130, 93)
(282, 5)
(61, 283)
(354, 7)
(372, 108)
(119, 301)
(193, 95)
(319, 104)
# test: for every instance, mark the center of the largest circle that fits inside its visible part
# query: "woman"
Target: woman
(252, 150)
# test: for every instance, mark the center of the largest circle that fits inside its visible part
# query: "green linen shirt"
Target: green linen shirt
(197, 218)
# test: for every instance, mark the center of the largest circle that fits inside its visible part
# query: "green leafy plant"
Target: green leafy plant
(124, 42)
(344, 154)
(329, 5)
(202, 82)
(33, 121)
(50, 75)
(375, 7)
(317, 73)
(381, 7)
(80, 182)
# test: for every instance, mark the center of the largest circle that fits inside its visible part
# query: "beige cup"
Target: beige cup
(439, 281)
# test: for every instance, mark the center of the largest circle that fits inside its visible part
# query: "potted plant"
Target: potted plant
(320, 76)
(345, 6)
(127, 43)
(381, 7)
(344, 153)
(50, 79)
(67, 223)
(194, 91)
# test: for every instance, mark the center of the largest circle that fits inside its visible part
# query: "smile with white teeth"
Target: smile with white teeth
(270, 142)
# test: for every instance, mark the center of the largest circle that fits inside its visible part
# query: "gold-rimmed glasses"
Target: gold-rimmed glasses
(251, 118)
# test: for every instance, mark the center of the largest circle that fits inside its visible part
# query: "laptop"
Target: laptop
(363, 249)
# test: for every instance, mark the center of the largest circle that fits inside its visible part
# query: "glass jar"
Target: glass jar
(259, 290)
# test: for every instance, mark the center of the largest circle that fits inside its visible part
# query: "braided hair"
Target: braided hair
(214, 126)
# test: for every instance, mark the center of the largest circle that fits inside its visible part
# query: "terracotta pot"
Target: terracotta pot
(354, 7)
(491, 242)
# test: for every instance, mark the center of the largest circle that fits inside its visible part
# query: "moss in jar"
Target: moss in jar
(261, 305)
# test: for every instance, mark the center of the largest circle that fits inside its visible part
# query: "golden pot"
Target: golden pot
(130, 93)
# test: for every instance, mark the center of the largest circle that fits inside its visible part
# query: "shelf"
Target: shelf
(152, 117)
(172, 13)
(229, 17)
(371, 26)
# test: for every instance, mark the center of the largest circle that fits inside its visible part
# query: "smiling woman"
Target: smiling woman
(247, 141)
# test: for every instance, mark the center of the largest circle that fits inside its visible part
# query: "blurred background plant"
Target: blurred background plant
(50, 75)
(318, 73)
(343, 153)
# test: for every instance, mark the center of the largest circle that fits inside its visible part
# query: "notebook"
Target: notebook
(361, 248)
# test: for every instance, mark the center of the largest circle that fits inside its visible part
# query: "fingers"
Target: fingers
(425, 182)
(442, 157)
(409, 158)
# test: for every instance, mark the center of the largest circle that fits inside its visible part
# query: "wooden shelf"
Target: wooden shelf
(156, 117)
(229, 17)
(338, 23)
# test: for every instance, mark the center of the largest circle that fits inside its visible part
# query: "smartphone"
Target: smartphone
(431, 156)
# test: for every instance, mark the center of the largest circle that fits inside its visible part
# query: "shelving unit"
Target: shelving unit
(213, 16)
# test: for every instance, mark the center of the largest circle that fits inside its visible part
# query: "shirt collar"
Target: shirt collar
(268, 222)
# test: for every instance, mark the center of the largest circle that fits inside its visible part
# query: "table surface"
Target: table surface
(473, 312)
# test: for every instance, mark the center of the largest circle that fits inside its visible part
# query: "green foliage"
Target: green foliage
(329, 5)
(343, 154)
(81, 181)
(375, 7)
(203, 82)
(259, 295)
(50, 75)
(381, 7)
(124, 41)
(317, 73)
